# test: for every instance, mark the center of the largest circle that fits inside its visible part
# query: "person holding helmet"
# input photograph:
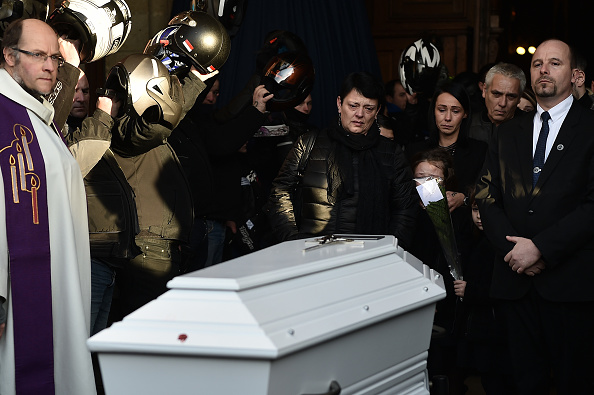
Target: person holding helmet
(113, 223)
(419, 69)
(153, 102)
(207, 151)
(207, 147)
(276, 42)
(290, 76)
(345, 179)
(149, 113)
(89, 30)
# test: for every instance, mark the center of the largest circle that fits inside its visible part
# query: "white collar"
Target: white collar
(556, 111)
(12, 90)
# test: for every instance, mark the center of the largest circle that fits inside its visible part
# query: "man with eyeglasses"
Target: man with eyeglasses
(44, 245)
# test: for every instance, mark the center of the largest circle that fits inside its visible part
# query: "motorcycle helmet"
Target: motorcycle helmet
(147, 89)
(419, 67)
(192, 38)
(102, 26)
(159, 47)
(11, 10)
(290, 77)
(228, 12)
(277, 42)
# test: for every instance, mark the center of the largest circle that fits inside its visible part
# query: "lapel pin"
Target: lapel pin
(560, 147)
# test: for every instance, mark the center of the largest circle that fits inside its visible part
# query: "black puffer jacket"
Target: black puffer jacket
(316, 215)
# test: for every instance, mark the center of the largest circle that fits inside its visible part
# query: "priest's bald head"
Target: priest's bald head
(31, 55)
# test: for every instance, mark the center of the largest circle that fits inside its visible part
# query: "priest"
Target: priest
(44, 246)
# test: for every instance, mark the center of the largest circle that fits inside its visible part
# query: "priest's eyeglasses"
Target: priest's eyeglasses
(40, 57)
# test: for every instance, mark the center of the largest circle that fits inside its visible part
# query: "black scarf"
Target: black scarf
(373, 204)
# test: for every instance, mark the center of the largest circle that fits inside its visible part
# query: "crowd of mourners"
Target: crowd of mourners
(176, 181)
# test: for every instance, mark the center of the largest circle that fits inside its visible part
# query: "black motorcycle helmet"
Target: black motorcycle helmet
(192, 38)
(11, 10)
(278, 42)
(419, 67)
(290, 77)
(147, 89)
(101, 26)
(159, 46)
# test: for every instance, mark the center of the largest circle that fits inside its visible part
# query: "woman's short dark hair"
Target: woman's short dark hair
(12, 35)
(459, 94)
(364, 83)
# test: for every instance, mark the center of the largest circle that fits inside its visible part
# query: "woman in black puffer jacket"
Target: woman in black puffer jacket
(346, 178)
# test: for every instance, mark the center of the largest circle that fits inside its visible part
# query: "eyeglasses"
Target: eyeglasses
(41, 57)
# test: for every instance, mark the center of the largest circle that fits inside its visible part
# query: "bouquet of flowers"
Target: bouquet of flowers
(432, 193)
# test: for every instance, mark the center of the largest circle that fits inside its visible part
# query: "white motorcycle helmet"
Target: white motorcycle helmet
(147, 89)
(102, 26)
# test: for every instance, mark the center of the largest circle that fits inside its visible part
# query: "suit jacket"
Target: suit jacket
(558, 215)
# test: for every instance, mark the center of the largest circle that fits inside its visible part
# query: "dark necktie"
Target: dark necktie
(541, 144)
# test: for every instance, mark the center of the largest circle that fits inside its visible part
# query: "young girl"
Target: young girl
(442, 359)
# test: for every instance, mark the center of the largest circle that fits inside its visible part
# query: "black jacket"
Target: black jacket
(200, 143)
(557, 214)
(317, 215)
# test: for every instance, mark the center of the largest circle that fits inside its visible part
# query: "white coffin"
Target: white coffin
(282, 321)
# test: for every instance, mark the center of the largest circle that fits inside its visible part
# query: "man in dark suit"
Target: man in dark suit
(536, 200)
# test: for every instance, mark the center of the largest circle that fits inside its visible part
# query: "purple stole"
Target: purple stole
(27, 228)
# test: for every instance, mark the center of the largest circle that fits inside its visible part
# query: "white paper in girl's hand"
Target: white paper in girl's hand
(429, 192)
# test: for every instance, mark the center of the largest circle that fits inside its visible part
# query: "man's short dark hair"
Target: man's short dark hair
(12, 36)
